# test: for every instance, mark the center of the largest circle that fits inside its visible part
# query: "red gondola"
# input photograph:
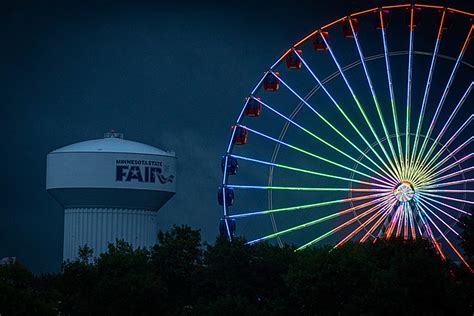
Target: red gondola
(271, 82)
(292, 60)
(385, 18)
(240, 136)
(346, 27)
(253, 108)
(318, 42)
(416, 16)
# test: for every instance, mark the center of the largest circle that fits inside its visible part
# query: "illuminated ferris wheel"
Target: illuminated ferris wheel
(359, 131)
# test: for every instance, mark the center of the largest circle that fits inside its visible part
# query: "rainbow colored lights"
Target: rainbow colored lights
(412, 177)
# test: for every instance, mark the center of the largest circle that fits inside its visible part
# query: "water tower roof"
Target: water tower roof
(113, 143)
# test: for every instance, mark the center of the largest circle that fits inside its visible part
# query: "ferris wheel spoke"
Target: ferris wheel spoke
(390, 180)
(440, 196)
(443, 97)
(334, 230)
(424, 197)
(427, 88)
(308, 206)
(409, 92)
(446, 125)
(429, 205)
(392, 170)
(449, 243)
(257, 187)
(321, 84)
(458, 172)
(430, 179)
(393, 175)
(383, 209)
(443, 148)
(312, 154)
(391, 91)
(415, 185)
(374, 98)
(448, 191)
(447, 184)
(451, 154)
(319, 220)
(309, 171)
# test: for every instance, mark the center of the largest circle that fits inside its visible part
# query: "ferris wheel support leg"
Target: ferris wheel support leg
(387, 212)
(377, 224)
(412, 223)
(388, 220)
(400, 221)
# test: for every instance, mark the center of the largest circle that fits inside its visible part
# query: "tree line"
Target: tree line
(181, 275)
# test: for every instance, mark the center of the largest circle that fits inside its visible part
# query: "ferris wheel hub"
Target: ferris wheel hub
(404, 191)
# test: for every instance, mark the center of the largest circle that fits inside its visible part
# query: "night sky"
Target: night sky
(169, 75)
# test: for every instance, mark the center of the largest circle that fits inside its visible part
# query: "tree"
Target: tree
(467, 236)
(177, 260)
(251, 274)
(20, 293)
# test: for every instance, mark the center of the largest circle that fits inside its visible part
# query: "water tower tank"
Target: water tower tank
(110, 189)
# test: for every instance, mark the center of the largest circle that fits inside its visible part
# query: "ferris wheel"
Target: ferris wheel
(359, 131)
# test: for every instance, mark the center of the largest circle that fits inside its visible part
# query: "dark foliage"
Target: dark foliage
(468, 237)
(181, 276)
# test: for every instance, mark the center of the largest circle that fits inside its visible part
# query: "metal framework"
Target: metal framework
(409, 181)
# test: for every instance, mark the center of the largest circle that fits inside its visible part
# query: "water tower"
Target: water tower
(110, 188)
